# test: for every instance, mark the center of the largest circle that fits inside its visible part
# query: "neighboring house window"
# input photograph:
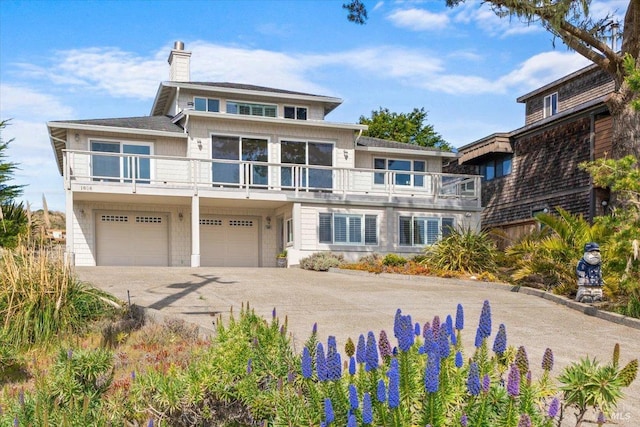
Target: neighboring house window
(297, 113)
(206, 104)
(397, 166)
(123, 164)
(496, 168)
(246, 109)
(231, 150)
(289, 230)
(420, 231)
(309, 155)
(551, 105)
(348, 229)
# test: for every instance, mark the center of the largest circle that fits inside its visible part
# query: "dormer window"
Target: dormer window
(551, 105)
(295, 113)
(206, 104)
(246, 109)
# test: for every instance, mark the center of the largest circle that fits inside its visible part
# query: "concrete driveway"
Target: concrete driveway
(347, 305)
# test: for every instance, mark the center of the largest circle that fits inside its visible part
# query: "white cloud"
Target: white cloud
(20, 101)
(488, 22)
(378, 6)
(542, 69)
(419, 19)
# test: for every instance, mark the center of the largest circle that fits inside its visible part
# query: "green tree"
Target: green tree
(13, 219)
(572, 22)
(410, 128)
(7, 169)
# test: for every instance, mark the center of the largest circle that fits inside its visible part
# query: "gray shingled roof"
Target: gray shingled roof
(242, 86)
(159, 123)
(367, 141)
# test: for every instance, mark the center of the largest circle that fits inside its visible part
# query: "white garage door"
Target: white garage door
(126, 238)
(227, 241)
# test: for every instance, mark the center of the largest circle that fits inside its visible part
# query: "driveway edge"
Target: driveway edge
(587, 309)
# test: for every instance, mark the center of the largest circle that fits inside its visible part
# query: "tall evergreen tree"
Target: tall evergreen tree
(7, 192)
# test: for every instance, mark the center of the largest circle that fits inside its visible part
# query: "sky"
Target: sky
(88, 59)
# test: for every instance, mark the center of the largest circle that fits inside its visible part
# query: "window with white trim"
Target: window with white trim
(296, 113)
(414, 168)
(348, 229)
(248, 109)
(551, 105)
(121, 161)
(206, 104)
(420, 231)
(289, 230)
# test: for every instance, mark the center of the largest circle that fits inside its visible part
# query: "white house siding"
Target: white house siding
(388, 219)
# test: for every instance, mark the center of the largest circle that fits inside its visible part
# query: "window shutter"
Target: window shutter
(371, 230)
(404, 231)
(355, 229)
(340, 229)
(325, 232)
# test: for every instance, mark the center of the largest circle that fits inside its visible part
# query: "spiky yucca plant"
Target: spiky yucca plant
(465, 250)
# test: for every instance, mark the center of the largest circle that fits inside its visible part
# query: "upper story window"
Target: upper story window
(551, 105)
(247, 109)
(121, 161)
(206, 104)
(297, 113)
(397, 165)
(497, 167)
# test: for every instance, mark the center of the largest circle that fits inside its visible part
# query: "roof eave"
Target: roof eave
(421, 153)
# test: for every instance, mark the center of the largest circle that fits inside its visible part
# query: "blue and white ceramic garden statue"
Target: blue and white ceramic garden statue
(590, 275)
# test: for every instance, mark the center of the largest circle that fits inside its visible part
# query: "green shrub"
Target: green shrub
(463, 250)
(393, 260)
(321, 261)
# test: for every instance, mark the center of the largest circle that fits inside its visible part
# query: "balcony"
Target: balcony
(116, 173)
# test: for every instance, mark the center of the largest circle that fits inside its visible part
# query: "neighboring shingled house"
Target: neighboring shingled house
(535, 168)
(224, 174)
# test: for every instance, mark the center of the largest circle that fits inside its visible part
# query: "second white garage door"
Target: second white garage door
(227, 241)
(132, 238)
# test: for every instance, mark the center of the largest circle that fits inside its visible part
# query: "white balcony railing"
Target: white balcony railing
(85, 167)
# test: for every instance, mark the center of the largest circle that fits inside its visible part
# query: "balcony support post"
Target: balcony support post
(195, 231)
(69, 255)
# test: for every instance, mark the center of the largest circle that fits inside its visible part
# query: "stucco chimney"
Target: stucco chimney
(179, 63)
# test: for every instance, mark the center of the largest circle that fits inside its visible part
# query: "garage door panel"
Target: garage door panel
(227, 241)
(125, 238)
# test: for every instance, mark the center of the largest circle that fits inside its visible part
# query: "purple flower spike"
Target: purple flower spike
(479, 339)
(273, 313)
(459, 360)
(352, 422)
(443, 344)
(553, 408)
(15, 422)
(500, 343)
(425, 328)
(334, 362)
(513, 381)
(371, 353)
(394, 384)
(473, 379)
(396, 323)
(367, 414)
(352, 365)
(463, 420)
(249, 366)
(321, 363)
(485, 320)
(547, 360)
(361, 350)
(381, 392)
(459, 318)
(314, 329)
(329, 416)
(432, 373)
(525, 421)
(403, 330)
(307, 371)
(353, 397)
(416, 329)
(384, 345)
(435, 325)
(150, 423)
(601, 418)
(486, 383)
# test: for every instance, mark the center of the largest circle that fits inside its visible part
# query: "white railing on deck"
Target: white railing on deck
(182, 172)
